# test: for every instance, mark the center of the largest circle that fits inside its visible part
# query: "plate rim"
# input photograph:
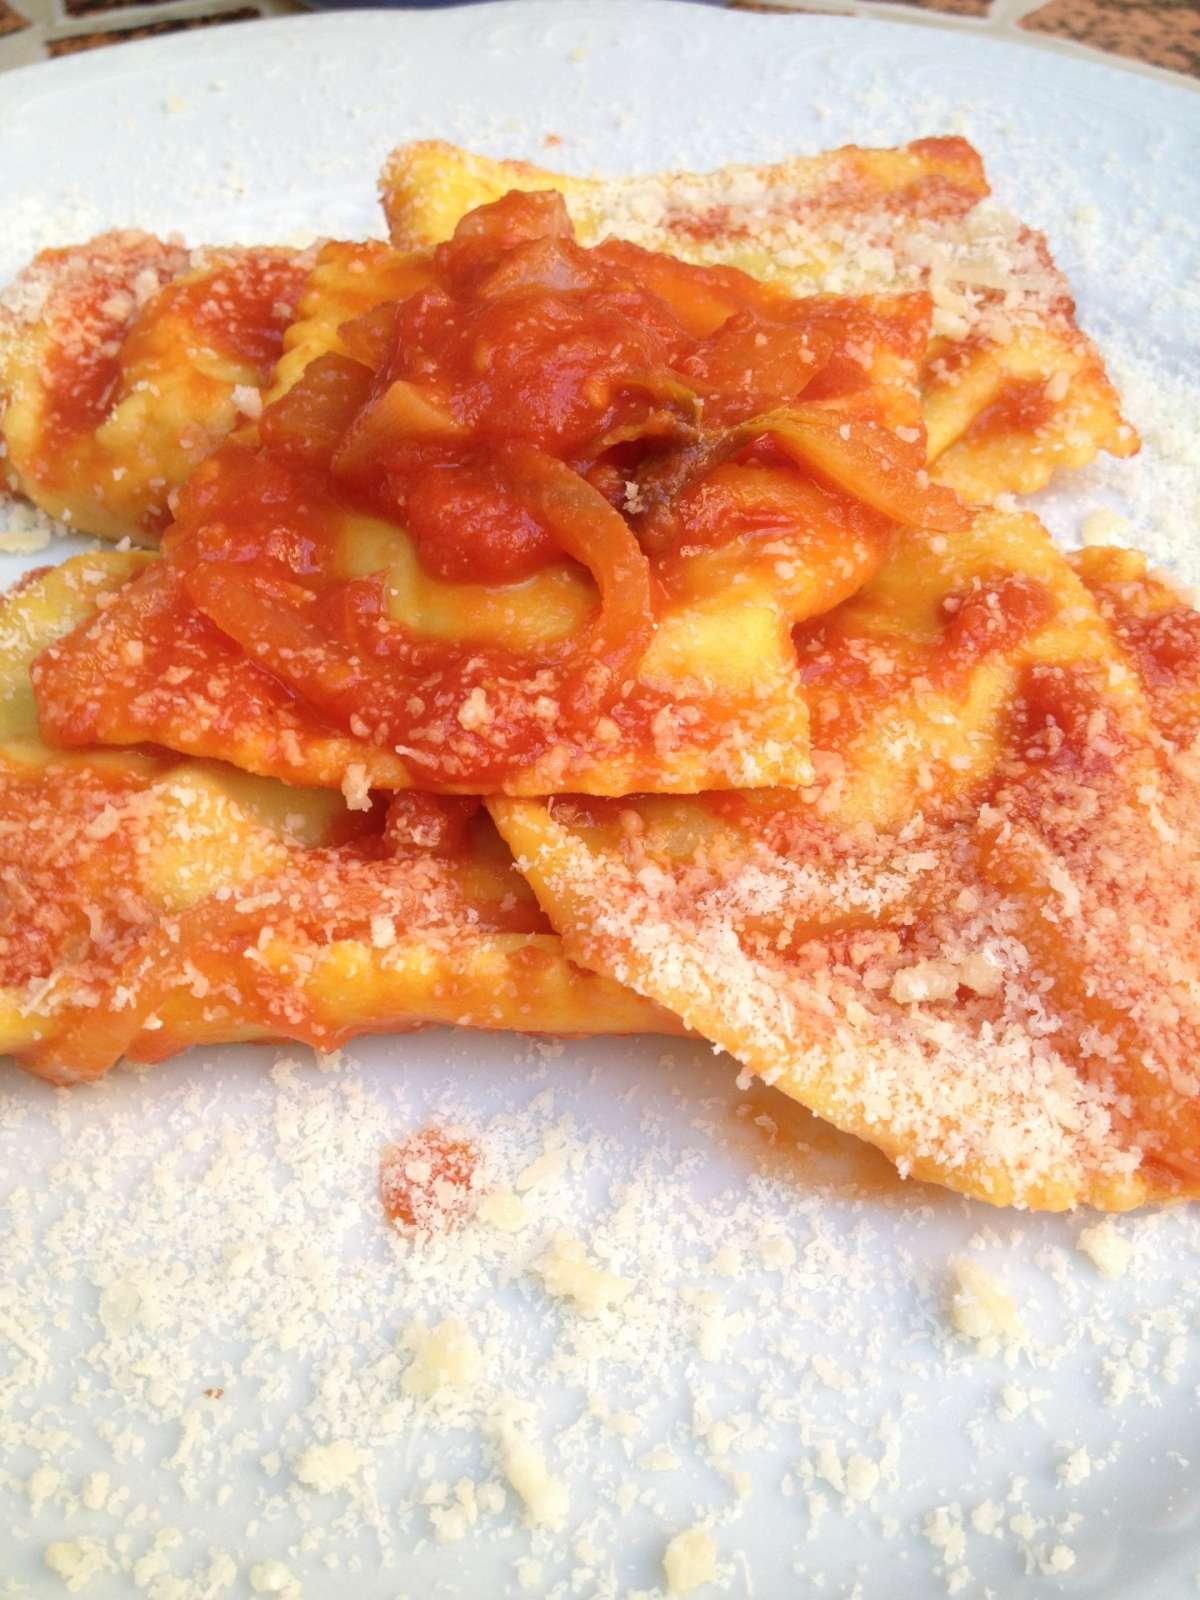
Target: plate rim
(29, 82)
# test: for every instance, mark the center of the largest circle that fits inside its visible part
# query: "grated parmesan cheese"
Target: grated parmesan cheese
(355, 787)
(569, 1275)
(544, 1496)
(1109, 1251)
(328, 1467)
(272, 1577)
(77, 1561)
(689, 1561)
(981, 1309)
(445, 1359)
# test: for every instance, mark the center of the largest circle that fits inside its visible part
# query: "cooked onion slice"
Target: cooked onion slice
(864, 459)
(598, 537)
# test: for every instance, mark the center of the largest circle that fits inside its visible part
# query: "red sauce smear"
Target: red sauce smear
(429, 1180)
(59, 859)
(239, 309)
(1021, 407)
(1165, 647)
(1063, 723)
(990, 618)
(839, 657)
(77, 903)
(242, 308)
(946, 182)
(83, 368)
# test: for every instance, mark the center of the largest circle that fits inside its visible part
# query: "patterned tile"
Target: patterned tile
(765, 8)
(85, 8)
(1165, 33)
(11, 20)
(149, 30)
(961, 8)
(957, 8)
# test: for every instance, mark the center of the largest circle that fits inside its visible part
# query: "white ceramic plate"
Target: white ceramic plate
(196, 1283)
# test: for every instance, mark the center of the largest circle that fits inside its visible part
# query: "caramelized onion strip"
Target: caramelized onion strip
(865, 460)
(598, 537)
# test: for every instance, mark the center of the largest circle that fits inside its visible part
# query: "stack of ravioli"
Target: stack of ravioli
(605, 608)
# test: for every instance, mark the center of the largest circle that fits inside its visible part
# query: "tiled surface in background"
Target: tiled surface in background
(1154, 35)
(958, 8)
(35, 30)
(11, 20)
(1165, 32)
(87, 8)
(72, 44)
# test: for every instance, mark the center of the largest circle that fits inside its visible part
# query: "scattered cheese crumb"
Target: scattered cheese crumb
(1076, 1467)
(248, 400)
(504, 1211)
(26, 530)
(925, 980)
(862, 1477)
(945, 1532)
(777, 1252)
(981, 1308)
(444, 1360)
(355, 788)
(43, 1481)
(544, 1496)
(475, 711)
(272, 1577)
(545, 1168)
(569, 1275)
(1060, 1559)
(689, 1561)
(1107, 1248)
(986, 1517)
(94, 1491)
(328, 1467)
(77, 1561)
(1102, 527)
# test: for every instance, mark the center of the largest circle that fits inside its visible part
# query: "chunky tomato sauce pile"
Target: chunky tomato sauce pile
(534, 403)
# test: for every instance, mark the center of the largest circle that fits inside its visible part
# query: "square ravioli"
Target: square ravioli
(974, 940)
(1012, 390)
(151, 902)
(544, 523)
(124, 362)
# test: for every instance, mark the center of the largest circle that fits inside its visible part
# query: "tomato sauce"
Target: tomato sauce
(948, 182)
(56, 862)
(76, 903)
(840, 658)
(240, 309)
(1165, 648)
(533, 402)
(1022, 407)
(82, 370)
(1063, 722)
(992, 617)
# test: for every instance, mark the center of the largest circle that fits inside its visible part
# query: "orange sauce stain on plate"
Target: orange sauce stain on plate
(430, 1181)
